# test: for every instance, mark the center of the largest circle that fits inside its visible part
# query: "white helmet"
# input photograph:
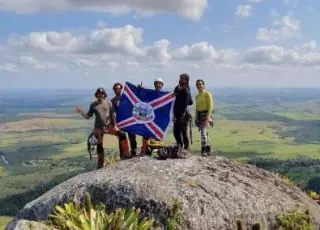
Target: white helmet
(158, 79)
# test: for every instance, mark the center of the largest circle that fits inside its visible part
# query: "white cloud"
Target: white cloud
(159, 51)
(286, 27)
(203, 51)
(192, 9)
(244, 11)
(107, 44)
(105, 40)
(9, 67)
(306, 54)
(123, 55)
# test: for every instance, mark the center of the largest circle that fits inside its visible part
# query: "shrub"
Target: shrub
(86, 217)
(176, 218)
(294, 220)
(314, 195)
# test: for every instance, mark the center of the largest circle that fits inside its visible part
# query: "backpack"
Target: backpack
(92, 141)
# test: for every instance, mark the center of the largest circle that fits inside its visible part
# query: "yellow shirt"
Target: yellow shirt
(204, 102)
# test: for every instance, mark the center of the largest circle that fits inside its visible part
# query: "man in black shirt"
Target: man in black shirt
(180, 112)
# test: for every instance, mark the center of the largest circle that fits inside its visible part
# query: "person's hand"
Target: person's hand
(211, 123)
(116, 128)
(174, 119)
(78, 109)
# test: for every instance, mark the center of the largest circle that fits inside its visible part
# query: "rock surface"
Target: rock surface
(215, 192)
(30, 225)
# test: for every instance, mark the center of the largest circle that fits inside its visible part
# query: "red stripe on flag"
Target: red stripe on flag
(127, 122)
(163, 100)
(155, 129)
(131, 95)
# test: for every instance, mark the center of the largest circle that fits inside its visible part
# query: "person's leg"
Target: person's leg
(177, 133)
(208, 146)
(133, 144)
(100, 150)
(144, 146)
(184, 131)
(124, 144)
(204, 139)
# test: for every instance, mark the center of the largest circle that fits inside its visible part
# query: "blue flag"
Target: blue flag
(145, 112)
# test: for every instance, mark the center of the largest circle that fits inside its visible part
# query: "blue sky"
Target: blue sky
(242, 43)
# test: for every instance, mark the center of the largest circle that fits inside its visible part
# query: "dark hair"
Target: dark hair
(100, 90)
(185, 75)
(118, 83)
(200, 80)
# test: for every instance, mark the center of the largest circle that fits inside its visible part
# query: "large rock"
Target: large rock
(215, 192)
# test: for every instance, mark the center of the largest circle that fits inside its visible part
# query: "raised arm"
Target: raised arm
(83, 114)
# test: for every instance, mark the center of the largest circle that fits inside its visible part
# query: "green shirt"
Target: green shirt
(204, 102)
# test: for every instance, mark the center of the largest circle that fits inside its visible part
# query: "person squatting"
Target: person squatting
(105, 110)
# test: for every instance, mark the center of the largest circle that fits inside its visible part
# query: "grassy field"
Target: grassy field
(45, 146)
(4, 220)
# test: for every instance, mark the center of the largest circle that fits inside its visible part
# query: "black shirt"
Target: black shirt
(183, 99)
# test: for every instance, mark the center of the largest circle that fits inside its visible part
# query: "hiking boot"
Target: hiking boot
(208, 150)
(133, 153)
(203, 152)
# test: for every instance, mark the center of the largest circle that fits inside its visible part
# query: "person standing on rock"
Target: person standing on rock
(158, 85)
(117, 88)
(181, 113)
(204, 109)
(105, 122)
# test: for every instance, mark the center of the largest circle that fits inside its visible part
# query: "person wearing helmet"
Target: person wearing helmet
(105, 122)
(158, 85)
(117, 88)
(181, 113)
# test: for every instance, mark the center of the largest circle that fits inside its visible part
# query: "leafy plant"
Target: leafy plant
(294, 220)
(176, 218)
(314, 195)
(88, 217)
(287, 180)
(112, 159)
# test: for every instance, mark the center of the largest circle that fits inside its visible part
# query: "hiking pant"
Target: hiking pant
(203, 124)
(99, 134)
(133, 144)
(144, 146)
(204, 136)
(180, 129)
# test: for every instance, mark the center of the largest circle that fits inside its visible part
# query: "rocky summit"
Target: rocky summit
(214, 192)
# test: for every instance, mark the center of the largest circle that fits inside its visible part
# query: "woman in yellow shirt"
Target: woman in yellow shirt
(204, 108)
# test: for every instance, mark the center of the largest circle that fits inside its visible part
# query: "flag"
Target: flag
(145, 112)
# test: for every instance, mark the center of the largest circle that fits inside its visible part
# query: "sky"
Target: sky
(95, 43)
